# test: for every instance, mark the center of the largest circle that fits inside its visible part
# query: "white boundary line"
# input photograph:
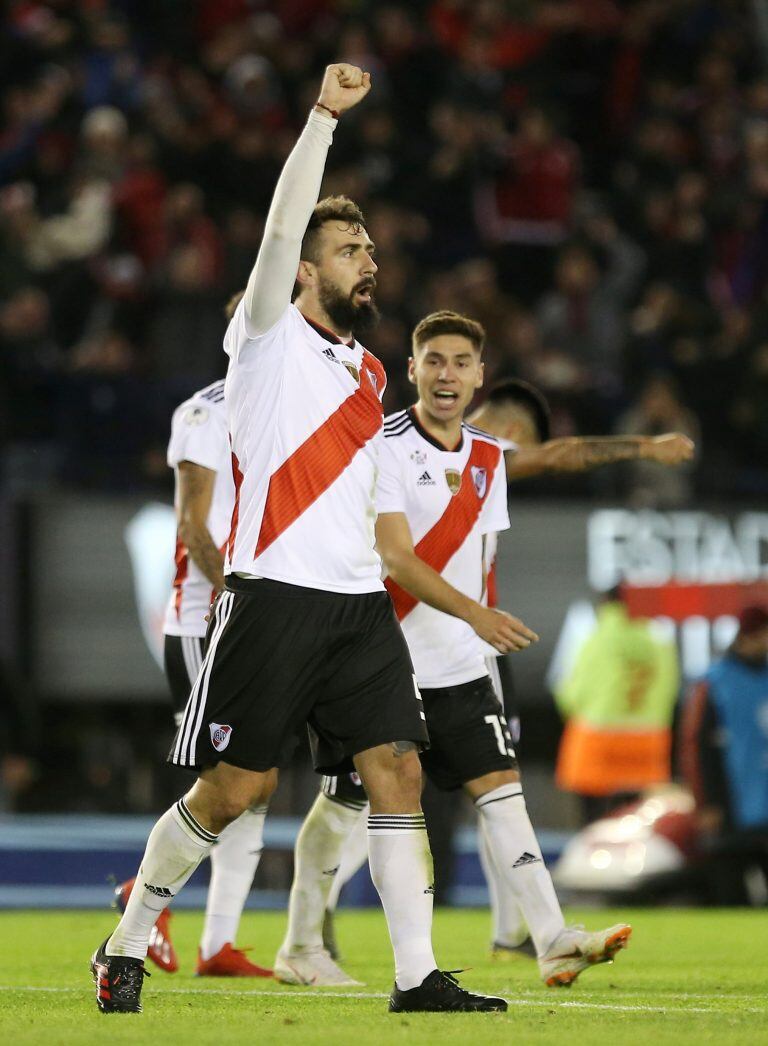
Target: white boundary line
(320, 994)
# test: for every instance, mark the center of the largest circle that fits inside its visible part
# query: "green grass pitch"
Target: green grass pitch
(687, 977)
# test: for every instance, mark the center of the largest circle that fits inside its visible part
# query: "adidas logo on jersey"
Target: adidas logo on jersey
(330, 354)
(526, 858)
(425, 480)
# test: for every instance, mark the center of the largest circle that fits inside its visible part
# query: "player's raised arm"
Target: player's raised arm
(271, 282)
(583, 453)
(395, 544)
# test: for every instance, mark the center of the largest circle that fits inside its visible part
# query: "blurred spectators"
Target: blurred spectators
(590, 178)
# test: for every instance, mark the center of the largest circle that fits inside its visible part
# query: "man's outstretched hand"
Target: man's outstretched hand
(343, 87)
(673, 448)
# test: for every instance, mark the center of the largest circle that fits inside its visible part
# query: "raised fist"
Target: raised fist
(343, 86)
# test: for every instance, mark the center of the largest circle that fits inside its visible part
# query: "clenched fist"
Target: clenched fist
(673, 448)
(343, 87)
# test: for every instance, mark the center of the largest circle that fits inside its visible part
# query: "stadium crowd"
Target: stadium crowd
(589, 178)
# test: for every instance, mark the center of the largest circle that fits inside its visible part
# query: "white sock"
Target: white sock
(234, 860)
(521, 868)
(508, 925)
(319, 847)
(353, 857)
(176, 846)
(401, 869)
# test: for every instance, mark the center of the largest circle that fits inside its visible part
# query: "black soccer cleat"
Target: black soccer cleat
(440, 992)
(118, 979)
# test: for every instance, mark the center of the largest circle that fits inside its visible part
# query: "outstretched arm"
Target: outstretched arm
(395, 545)
(582, 453)
(271, 281)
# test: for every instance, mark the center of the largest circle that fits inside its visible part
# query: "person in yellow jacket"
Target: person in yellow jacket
(617, 703)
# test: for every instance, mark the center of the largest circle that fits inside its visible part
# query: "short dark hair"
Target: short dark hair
(448, 322)
(527, 396)
(330, 209)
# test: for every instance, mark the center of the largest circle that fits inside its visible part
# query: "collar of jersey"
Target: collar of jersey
(411, 412)
(328, 335)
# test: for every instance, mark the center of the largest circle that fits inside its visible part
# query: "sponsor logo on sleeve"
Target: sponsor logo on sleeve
(196, 416)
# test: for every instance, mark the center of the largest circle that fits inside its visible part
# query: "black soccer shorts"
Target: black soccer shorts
(468, 734)
(182, 656)
(279, 656)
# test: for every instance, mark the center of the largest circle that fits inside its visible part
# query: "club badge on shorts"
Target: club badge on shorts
(220, 735)
(453, 479)
(480, 479)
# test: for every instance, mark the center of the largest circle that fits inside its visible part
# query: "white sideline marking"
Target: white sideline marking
(319, 994)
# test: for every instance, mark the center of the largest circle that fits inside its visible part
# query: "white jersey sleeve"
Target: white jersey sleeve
(390, 483)
(271, 282)
(495, 514)
(199, 434)
(198, 431)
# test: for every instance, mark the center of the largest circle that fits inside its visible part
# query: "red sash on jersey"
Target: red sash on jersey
(181, 560)
(446, 537)
(237, 477)
(320, 460)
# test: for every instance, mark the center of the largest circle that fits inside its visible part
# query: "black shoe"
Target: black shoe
(118, 980)
(441, 992)
(329, 936)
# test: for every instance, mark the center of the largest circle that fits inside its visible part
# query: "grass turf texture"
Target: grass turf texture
(688, 976)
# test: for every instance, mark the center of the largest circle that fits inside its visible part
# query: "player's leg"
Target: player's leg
(302, 957)
(177, 844)
(353, 857)
(180, 840)
(371, 710)
(563, 952)
(183, 657)
(246, 702)
(483, 756)
(510, 935)
(234, 861)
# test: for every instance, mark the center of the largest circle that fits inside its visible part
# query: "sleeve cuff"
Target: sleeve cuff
(324, 120)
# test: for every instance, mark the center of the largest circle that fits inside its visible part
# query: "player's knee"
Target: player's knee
(406, 774)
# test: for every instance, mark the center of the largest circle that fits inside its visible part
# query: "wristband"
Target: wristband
(333, 112)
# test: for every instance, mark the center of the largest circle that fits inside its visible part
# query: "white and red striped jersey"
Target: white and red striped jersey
(451, 499)
(199, 435)
(304, 409)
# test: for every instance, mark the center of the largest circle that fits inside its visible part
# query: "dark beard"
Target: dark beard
(344, 313)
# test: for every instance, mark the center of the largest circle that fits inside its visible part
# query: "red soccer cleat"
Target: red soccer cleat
(160, 950)
(229, 962)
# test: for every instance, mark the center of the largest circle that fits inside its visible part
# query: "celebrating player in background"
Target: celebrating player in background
(199, 454)
(441, 490)
(517, 414)
(304, 631)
